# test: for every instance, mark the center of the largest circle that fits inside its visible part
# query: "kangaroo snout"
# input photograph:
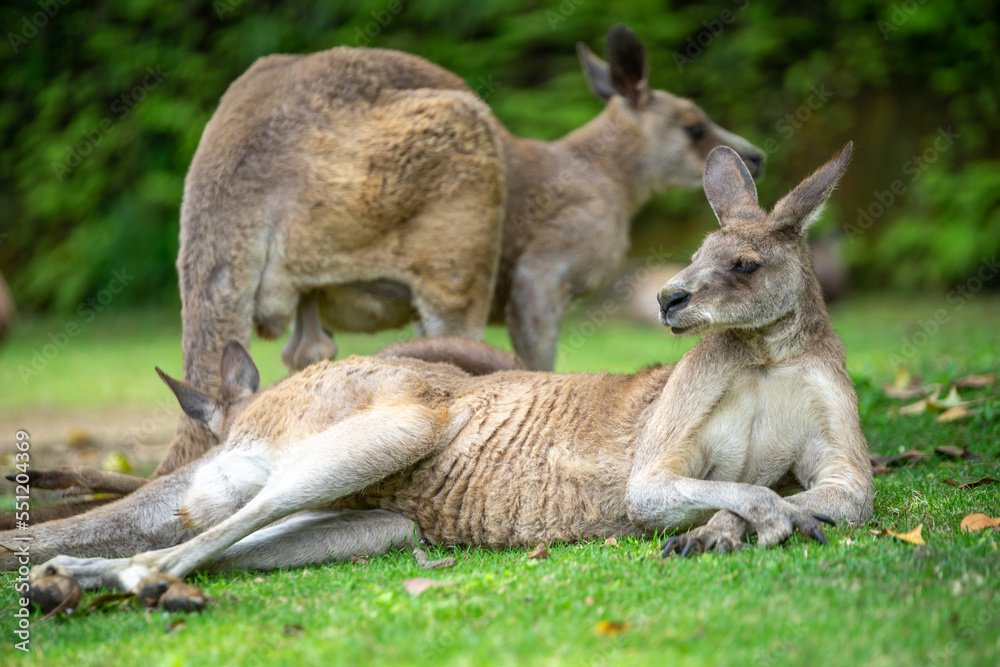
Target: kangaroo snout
(755, 163)
(671, 302)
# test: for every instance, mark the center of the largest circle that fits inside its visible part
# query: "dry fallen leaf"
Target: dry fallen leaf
(955, 413)
(975, 381)
(589, 601)
(918, 408)
(905, 387)
(950, 450)
(979, 521)
(540, 552)
(419, 585)
(610, 628)
(426, 563)
(912, 536)
(952, 400)
(176, 624)
(905, 456)
(971, 484)
(610, 542)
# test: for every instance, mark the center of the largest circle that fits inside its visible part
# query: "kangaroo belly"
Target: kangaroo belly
(530, 466)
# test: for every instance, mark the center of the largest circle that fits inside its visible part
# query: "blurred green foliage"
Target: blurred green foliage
(104, 104)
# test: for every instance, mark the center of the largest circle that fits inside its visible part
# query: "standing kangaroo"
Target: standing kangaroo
(345, 457)
(365, 187)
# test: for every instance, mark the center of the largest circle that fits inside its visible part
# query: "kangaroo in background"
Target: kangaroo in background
(343, 458)
(372, 187)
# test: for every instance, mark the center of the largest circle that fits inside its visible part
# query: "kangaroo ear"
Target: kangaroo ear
(628, 64)
(801, 207)
(596, 71)
(198, 406)
(729, 186)
(240, 377)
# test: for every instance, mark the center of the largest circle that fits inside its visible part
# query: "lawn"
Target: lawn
(862, 599)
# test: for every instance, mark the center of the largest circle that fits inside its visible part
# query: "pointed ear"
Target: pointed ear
(729, 186)
(240, 377)
(628, 64)
(596, 71)
(797, 210)
(198, 406)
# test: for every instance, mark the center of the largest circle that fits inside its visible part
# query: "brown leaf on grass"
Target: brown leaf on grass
(425, 563)
(952, 400)
(540, 552)
(610, 542)
(610, 628)
(979, 521)
(419, 585)
(904, 387)
(971, 484)
(958, 452)
(918, 408)
(975, 381)
(176, 624)
(911, 536)
(909, 454)
(953, 414)
(589, 600)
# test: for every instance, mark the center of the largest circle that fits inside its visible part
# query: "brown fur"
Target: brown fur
(362, 454)
(374, 186)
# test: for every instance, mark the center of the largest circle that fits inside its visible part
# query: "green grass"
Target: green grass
(858, 600)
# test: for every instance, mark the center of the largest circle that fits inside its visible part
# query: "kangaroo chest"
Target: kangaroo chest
(761, 426)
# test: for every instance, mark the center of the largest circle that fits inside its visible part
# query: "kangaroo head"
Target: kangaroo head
(240, 380)
(672, 135)
(757, 268)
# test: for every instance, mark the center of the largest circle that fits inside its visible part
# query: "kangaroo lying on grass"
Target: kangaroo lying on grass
(366, 188)
(343, 458)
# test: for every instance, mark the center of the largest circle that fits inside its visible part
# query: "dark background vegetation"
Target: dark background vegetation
(896, 74)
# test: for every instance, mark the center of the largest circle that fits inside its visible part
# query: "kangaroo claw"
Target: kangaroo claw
(825, 519)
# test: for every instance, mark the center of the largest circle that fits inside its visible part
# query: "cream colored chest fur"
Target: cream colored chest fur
(763, 425)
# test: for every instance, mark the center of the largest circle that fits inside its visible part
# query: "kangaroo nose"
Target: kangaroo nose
(674, 302)
(756, 161)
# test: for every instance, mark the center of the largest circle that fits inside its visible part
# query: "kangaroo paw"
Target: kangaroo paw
(702, 540)
(790, 520)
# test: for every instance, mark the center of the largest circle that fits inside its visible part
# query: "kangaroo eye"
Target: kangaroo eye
(695, 131)
(745, 266)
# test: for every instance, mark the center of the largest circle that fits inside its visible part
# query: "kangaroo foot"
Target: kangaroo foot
(170, 593)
